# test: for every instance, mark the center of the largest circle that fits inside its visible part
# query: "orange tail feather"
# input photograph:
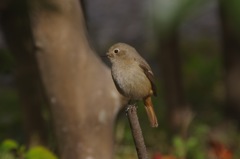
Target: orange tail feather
(150, 112)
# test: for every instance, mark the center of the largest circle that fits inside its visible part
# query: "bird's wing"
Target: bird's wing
(148, 72)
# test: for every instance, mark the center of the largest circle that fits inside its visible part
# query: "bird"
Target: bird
(133, 77)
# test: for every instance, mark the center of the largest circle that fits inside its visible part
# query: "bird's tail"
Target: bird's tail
(150, 112)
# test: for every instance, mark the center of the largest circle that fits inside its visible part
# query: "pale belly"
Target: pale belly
(132, 82)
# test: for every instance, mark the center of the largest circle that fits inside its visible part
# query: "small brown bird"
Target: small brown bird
(133, 77)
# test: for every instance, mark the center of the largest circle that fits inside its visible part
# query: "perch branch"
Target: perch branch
(136, 132)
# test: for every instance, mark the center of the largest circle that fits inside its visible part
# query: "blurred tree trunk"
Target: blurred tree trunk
(178, 111)
(231, 54)
(83, 99)
(17, 33)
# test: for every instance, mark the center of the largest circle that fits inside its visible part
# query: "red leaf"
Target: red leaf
(220, 150)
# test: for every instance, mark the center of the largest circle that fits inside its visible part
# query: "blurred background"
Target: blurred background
(193, 47)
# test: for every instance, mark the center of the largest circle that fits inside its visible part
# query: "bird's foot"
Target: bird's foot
(130, 106)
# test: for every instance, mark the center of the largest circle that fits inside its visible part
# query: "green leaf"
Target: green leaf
(179, 146)
(40, 152)
(8, 145)
(191, 143)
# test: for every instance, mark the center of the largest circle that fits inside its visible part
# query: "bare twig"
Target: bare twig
(136, 132)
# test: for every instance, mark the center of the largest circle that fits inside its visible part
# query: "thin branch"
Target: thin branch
(136, 132)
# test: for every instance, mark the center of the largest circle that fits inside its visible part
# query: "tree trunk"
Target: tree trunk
(179, 112)
(231, 55)
(83, 99)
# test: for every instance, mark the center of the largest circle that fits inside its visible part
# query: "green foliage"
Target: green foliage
(40, 153)
(10, 149)
(8, 145)
(193, 146)
(180, 146)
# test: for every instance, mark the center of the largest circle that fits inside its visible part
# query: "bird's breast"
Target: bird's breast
(131, 81)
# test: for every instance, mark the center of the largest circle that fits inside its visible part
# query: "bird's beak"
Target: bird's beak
(108, 55)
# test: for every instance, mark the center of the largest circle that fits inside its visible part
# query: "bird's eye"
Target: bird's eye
(116, 51)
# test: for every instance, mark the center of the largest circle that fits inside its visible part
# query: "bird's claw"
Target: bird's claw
(130, 106)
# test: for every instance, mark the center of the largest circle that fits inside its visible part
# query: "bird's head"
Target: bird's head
(120, 51)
